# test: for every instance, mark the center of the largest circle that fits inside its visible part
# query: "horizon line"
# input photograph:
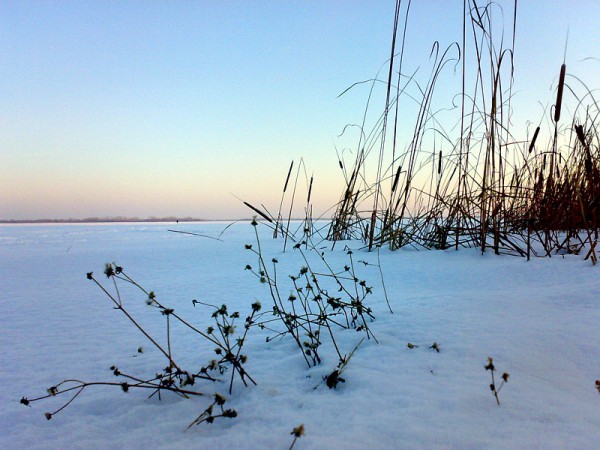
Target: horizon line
(124, 219)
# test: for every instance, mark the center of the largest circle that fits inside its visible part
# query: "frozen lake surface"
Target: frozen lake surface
(538, 320)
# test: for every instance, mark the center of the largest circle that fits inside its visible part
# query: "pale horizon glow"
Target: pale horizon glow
(143, 109)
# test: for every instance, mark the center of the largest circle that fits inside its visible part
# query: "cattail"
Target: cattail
(588, 165)
(385, 219)
(580, 134)
(259, 212)
(559, 95)
(544, 163)
(396, 178)
(588, 156)
(309, 190)
(535, 135)
(440, 163)
(341, 165)
(288, 176)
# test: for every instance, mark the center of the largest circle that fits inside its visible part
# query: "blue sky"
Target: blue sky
(168, 108)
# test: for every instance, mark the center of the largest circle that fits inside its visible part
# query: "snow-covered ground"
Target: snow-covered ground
(539, 320)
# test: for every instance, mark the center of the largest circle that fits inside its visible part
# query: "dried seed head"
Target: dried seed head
(559, 94)
(108, 270)
(231, 413)
(580, 134)
(535, 135)
(298, 431)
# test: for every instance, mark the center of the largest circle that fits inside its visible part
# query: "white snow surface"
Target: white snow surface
(539, 320)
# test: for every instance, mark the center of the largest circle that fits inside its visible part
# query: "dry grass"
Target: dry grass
(490, 189)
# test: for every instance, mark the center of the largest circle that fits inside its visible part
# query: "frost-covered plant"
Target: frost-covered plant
(334, 378)
(230, 348)
(297, 432)
(209, 415)
(319, 303)
(173, 378)
(496, 389)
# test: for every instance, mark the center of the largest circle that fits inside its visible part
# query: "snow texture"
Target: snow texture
(538, 320)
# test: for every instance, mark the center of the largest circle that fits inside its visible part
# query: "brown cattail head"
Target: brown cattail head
(440, 163)
(287, 179)
(259, 212)
(396, 178)
(580, 134)
(544, 163)
(559, 94)
(535, 135)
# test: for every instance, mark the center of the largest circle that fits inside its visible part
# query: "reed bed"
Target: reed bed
(477, 185)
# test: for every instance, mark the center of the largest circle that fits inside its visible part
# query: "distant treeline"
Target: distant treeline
(108, 219)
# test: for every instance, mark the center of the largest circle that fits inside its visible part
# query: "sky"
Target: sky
(156, 108)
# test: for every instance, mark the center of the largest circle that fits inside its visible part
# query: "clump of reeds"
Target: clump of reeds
(490, 189)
